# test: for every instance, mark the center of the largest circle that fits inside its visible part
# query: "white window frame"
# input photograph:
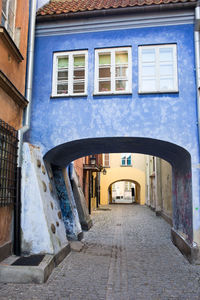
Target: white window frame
(157, 68)
(129, 77)
(70, 55)
(5, 15)
(127, 155)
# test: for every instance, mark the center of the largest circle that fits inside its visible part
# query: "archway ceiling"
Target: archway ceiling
(63, 154)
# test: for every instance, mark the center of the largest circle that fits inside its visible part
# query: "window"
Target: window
(70, 73)
(106, 160)
(8, 16)
(113, 71)
(126, 159)
(158, 69)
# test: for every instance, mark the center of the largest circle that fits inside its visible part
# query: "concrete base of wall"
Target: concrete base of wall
(31, 274)
(166, 218)
(191, 252)
(86, 225)
(5, 250)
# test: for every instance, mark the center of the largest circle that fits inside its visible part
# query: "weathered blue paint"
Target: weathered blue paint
(67, 215)
(165, 117)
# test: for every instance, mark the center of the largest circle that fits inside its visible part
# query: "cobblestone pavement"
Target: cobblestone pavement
(128, 255)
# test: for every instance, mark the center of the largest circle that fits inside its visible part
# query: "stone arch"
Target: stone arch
(123, 174)
(137, 192)
(178, 157)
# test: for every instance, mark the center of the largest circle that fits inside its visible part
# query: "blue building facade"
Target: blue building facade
(133, 118)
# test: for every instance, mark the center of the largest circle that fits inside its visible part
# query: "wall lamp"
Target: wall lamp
(93, 160)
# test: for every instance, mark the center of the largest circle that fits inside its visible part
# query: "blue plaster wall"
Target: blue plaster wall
(168, 117)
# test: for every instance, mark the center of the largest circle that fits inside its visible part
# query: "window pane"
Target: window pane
(166, 84)
(104, 59)
(104, 86)
(79, 74)
(12, 5)
(63, 75)
(4, 6)
(148, 84)
(166, 54)
(123, 161)
(62, 88)
(121, 57)
(166, 70)
(79, 61)
(3, 20)
(129, 160)
(104, 72)
(121, 71)
(148, 55)
(148, 70)
(78, 87)
(121, 85)
(63, 62)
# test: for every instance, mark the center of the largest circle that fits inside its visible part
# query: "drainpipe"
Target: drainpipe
(26, 126)
(28, 92)
(197, 60)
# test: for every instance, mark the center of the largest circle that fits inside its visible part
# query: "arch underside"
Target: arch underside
(177, 156)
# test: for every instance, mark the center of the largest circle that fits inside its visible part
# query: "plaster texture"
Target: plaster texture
(67, 203)
(172, 118)
(37, 214)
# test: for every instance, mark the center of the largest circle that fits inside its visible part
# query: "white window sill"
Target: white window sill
(126, 165)
(68, 95)
(159, 92)
(112, 93)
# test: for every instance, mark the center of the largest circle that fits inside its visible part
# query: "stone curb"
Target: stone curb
(31, 274)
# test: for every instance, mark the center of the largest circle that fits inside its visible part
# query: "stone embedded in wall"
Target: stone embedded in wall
(50, 187)
(60, 215)
(44, 186)
(51, 205)
(38, 163)
(50, 174)
(53, 228)
(43, 170)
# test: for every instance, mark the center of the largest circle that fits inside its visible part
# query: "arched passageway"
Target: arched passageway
(125, 192)
(177, 156)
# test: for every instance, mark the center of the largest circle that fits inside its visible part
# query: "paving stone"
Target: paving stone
(127, 255)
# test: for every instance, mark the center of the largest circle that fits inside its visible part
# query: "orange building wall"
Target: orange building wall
(10, 111)
(13, 69)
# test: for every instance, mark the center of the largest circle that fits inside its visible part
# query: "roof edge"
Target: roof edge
(116, 11)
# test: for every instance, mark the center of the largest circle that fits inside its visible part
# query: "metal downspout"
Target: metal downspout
(28, 92)
(27, 114)
(197, 62)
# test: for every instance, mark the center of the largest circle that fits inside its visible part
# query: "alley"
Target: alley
(127, 254)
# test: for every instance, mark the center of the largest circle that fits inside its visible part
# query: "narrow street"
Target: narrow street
(127, 254)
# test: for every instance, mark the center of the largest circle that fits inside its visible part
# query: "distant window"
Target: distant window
(8, 16)
(126, 159)
(158, 69)
(106, 160)
(70, 73)
(113, 71)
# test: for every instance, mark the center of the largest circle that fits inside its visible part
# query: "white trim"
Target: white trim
(137, 20)
(6, 14)
(127, 155)
(158, 89)
(70, 55)
(112, 52)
